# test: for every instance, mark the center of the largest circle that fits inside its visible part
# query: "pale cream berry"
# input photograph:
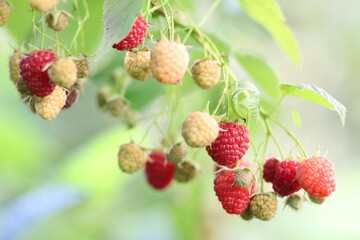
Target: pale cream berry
(169, 61)
(200, 129)
(63, 72)
(206, 73)
(50, 106)
(5, 11)
(43, 5)
(131, 157)
(58, 21)
(14, 66)
(137, 64)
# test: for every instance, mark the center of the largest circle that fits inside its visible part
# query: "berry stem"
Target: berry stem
(270, 132)
(53, 39)
(209, 12)
(80, 22)
(292, 136)
(43, 31)
(169, 19)
(260, 164)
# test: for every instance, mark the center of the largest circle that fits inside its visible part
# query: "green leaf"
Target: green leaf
(246, 100)
(118, 18)
(296, 118)
(316, 95)
(260, 71)
(268, 14)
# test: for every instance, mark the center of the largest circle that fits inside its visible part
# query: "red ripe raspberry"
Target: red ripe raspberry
(284, 182)
(317, 176)
(230, 145)
(135, 37)
(234, 199)
(159, 172)
(269, 169)
(35, 77)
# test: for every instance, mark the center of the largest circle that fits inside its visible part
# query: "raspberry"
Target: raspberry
(230, 145)
(200, 129)
(137, 64)
(185, 172)
(5, 11)
(269, 169)
(234, 199)
(295, 202)
(244, 177)
(131, 158)
(82, 65)
(63, 72)
(264, 206)
(43, 5)
(22, 89)
(316, 199)
(284, 182)
(57, 22)
(159, 172)
(177, 153)
(14, 65)
(206, 73)
(117, 107)
(50, 106)
(72, 97)
(169, 61)
(103, 95)
(317, 176)
(36, 78)
(135, 37)
(247, 215)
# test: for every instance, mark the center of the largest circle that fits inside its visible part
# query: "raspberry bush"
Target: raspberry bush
(184, 67)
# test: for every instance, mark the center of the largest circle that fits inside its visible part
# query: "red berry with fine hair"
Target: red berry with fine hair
(230, 145)
(284, 182)
(269, 169)
(35, 77)
(159, 172)
(135, 37)
(234, 199)
(316, 176)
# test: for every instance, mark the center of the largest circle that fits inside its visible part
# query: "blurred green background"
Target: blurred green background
(60, 180)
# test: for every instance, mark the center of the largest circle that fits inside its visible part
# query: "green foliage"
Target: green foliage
(246, 100)
(268, 14)
(118, 18)
(261, 72)
(316, 95)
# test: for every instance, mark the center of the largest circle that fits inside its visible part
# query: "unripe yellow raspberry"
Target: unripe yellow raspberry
(264, 206)
(137, 64)
(63, 72)
(5, 11)
(206, 73)
(200, 129)
(82, 65)
(131, 158)
(117, 107)
(185, 172)
(169, 61)
(14, 66)
(43, 5)
(50, 106)
(58, 21)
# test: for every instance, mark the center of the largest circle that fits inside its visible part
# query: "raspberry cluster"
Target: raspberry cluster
(50, 82)
(47, 82)
(160, 168)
